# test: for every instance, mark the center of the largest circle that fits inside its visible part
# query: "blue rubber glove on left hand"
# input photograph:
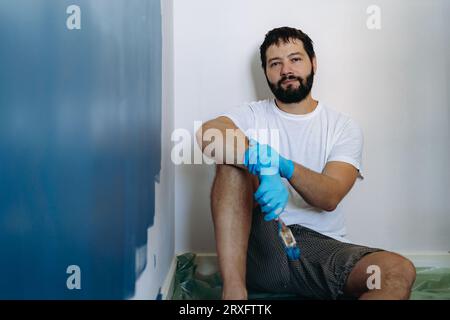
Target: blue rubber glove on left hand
(259, 156)
(272, 195)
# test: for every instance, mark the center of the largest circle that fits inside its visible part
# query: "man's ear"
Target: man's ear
(314, 64)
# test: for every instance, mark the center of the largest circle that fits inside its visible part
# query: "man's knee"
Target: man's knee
(396, 273)
(227, 169)
(399, 269)
(236, 176)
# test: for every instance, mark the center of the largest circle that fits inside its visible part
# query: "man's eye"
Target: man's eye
(273, 64)
(296, 59)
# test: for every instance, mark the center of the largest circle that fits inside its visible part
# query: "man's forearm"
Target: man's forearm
(319, 190)
(222, 141)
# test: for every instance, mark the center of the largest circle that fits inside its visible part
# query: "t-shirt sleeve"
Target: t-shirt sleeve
(349, 146)
(243, 117)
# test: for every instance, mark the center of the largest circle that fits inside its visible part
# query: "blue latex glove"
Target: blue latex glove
(272, 195)
(259, 156)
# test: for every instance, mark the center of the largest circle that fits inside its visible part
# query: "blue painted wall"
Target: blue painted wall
(80, 132)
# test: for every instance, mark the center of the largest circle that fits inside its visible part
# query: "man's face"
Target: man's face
(289, 71)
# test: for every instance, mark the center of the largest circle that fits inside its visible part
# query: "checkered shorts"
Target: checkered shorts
(320, 273)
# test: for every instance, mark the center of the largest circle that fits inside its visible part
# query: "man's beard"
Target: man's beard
(290, 94)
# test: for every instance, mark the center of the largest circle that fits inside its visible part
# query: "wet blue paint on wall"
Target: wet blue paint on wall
(80, 144)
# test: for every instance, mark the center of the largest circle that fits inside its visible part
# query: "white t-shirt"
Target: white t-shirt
(312, 140)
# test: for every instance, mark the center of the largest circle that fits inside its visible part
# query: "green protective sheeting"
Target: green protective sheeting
(431, 284)
(188, 286)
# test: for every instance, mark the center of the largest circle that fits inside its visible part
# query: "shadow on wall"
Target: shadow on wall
(260, 86)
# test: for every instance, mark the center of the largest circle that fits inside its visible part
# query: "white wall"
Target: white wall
(161, 237)
(393, 81)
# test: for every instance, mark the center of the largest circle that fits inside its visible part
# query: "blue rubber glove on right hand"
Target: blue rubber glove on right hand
(262, 156)
(272, 195)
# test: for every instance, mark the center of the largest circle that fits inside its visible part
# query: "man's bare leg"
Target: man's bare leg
(231, 206)
(397, 277)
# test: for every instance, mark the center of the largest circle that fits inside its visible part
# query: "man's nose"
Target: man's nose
(286, 70)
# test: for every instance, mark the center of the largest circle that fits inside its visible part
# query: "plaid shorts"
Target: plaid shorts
(320, 273)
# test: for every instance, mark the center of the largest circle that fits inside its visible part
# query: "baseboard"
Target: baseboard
(429, 259)
(167, 287)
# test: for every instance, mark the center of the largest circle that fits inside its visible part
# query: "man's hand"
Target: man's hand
(272, 195)
(262, 157)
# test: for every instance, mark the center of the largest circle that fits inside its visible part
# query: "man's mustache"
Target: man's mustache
(290, 77)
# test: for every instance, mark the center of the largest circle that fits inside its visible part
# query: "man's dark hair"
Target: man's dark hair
(285, 34)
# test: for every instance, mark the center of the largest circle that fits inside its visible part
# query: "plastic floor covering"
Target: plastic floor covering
(431, 284)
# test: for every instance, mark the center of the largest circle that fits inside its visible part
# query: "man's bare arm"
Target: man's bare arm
(324, 190)
(231, 148)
